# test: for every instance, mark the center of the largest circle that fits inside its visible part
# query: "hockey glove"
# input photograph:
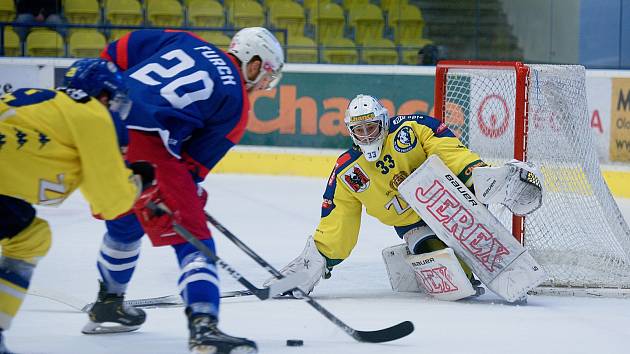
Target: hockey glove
(152, 207)
(145, 172)
(310, 264)
(202, 194)
(516, 185)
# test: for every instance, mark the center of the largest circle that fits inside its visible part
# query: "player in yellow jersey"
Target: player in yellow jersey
(51, 143)
(385, 151)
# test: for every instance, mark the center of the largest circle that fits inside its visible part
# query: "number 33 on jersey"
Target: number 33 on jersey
(356, 182)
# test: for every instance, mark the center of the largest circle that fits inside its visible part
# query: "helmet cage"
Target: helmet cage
(368, 125)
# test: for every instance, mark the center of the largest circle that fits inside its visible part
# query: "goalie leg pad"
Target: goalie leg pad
(465, 225)
(441, 275)
(402, 278)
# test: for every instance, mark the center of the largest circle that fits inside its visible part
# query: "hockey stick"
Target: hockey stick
(149, 302)
(167, 300)
(382, 335)
(261, 293)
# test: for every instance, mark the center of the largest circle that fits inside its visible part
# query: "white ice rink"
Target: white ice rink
(273, 215)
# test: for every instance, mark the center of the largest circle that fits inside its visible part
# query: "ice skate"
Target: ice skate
(3, 348)
(110, 315)
(206, 338)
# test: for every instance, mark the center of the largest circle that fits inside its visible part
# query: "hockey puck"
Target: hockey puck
(295, 342)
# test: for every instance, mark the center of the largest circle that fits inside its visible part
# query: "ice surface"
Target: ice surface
(274, 215)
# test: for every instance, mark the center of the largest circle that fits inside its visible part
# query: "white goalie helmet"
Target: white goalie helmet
(368, 124)
(258, 41)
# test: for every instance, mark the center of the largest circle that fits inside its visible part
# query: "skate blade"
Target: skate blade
(210, 349)
(104, 328)
(244, 349)
(204, 349)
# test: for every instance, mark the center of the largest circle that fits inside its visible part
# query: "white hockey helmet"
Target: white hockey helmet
(258, 41)
(368, 123)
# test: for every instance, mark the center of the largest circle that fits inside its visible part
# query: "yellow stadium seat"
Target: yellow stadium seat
(85, 12)
(165, 13)
(123, 12)
(12, 46)
(367, 21)
(407, 23)
(268, 4)
(246, 14)
(379, 51)
(301, 50)
(44, 43)
(206, 13)
(215, 37)
(117, 33)
(389, 5)
(289, 16)
(409, 49)
(86, 43)
(7, 10)
(340, 51)
(349, 4)
(313, 5)
(329, 22)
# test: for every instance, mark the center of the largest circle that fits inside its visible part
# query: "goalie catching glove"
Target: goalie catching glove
(310, 265)
(517, 185)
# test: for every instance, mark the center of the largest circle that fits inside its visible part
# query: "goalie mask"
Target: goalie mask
(368, 124)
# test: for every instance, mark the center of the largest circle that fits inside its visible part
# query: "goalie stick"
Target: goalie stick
(397, 331)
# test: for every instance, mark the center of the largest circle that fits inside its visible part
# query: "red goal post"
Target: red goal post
(521, 72)
(538, 113)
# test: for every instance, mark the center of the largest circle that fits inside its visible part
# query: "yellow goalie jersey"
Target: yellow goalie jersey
(355, 182)
(52, 142)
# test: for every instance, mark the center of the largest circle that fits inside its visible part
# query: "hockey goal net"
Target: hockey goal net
(538, 113)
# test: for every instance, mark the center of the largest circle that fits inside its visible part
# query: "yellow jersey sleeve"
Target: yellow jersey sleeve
(338, 229)
(52, 143)
(437, 139)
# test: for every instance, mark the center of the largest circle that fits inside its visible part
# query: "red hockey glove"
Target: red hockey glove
(152, 207)
(202, 194)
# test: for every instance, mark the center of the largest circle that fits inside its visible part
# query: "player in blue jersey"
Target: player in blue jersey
(192, 108)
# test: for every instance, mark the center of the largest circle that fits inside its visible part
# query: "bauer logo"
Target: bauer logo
(405, 139)
(455, 218)
(356, 179)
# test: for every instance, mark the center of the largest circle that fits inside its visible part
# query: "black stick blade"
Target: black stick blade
(385, 335)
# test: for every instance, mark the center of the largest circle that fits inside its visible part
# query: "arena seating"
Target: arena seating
(330, 31)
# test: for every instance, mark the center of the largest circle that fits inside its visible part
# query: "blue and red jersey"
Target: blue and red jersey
(186, 90)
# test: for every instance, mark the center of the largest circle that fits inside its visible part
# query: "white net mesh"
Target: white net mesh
(579, 235)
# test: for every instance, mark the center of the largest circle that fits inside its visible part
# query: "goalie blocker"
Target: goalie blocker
(469, 229)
